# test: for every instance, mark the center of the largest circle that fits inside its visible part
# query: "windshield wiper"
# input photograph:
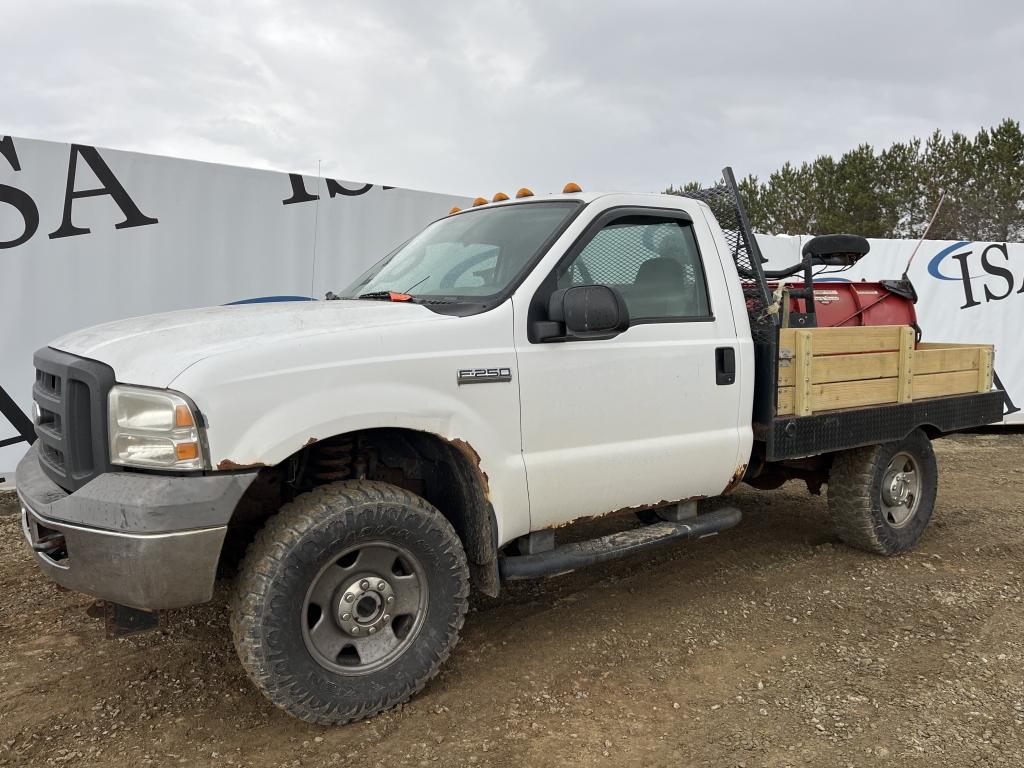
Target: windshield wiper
(385, 296)
(400, 297)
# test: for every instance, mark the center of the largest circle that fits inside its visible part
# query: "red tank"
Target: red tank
(889, 302)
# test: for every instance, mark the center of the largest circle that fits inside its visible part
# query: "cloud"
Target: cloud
(472, 97)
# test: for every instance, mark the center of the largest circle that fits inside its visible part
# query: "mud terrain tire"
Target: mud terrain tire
(312, 611)
(881, 497)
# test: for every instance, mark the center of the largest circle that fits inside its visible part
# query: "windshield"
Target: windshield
(473, 255)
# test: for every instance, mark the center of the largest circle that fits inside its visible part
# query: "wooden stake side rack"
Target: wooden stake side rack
(826, 369)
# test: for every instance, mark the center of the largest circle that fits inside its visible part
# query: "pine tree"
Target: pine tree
(893, 193)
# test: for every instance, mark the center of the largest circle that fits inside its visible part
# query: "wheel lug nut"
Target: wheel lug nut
(391, 599)
(364, 584)
(355, 630)
(386, 618)
(345, 616)
(382, 585)
(348, 597)
(372, 630)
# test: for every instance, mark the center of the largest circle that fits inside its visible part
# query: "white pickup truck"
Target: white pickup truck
(517, 366)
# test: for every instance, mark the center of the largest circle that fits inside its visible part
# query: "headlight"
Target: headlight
(153, 428)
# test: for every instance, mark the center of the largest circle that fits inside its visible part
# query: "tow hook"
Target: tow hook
(122, 620)
(49, 544)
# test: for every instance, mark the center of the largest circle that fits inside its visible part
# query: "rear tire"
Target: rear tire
(881, 497)
(349, 600)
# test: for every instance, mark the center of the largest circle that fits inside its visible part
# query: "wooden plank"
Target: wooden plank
(847, 340)
(853, 394)
(844, 394)
(829, 368)
(784, 406)
(946, 345)
(802, 372)
(905, 373)
(946, 359)
(941, 384)
(857, 394)
(985, 357)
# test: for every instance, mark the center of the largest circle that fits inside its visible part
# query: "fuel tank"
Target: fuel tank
(888, 302)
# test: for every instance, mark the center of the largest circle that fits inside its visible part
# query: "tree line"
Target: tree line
(893, 193)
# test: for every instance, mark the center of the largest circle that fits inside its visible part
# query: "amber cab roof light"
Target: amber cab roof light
(571, 188)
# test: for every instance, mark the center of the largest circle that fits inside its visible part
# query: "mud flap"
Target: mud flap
(122, 620)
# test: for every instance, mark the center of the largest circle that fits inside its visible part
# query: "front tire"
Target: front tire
(349, 600)
(881, 497)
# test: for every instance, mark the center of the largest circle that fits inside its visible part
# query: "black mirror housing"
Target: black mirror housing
(587, 312)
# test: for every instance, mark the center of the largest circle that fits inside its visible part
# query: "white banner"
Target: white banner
(967, 293)
(92, 235)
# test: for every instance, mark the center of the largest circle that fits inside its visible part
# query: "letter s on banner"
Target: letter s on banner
(13, 196)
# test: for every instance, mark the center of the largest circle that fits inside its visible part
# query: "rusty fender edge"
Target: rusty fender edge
(228, 465)
(735, 480)
(613, 546)
(470, 453)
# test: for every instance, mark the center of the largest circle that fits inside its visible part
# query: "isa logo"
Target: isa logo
(983, 271)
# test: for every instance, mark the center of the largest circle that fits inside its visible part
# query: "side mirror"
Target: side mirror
(584, 312)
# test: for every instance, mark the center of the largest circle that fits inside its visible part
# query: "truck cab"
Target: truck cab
(517, 366)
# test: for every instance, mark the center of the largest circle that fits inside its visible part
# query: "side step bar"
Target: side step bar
(572, 556)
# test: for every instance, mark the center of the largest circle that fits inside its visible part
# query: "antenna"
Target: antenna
(924, 236)
(316, 227)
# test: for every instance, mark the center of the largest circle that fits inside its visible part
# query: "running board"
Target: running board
(572, 556)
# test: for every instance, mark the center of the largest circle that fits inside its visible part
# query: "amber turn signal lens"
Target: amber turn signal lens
(183, 417)
(479, 201)
(455, 209)
(571, 187)
(186, 451)
(498, 197)
(524, 192)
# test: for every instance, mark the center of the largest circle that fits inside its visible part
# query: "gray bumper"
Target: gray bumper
(147, 541)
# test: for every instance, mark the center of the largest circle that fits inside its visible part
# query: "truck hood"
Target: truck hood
(153, 350)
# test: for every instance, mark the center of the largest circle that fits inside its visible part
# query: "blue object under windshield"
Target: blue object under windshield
(469, 256)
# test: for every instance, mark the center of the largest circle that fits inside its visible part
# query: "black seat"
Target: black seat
(850, 246)
(661, 271)
(659, 290)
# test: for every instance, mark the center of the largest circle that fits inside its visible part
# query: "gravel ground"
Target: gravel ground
(771, 645)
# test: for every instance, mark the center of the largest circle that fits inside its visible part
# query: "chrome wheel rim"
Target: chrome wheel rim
(901, 490)
(364, 608)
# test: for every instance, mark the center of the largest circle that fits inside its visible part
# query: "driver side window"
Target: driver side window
(653, 262)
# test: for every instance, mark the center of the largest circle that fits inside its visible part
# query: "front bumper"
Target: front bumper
(146, 541)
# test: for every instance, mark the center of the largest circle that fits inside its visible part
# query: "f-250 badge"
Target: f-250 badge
(484, 375)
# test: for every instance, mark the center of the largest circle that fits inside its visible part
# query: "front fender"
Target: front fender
(262, 406)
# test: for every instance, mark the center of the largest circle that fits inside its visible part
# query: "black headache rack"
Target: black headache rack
(791, 437)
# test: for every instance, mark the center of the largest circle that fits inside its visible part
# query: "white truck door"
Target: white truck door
(650, 415)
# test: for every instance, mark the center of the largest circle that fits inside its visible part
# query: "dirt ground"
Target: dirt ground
(770, 645)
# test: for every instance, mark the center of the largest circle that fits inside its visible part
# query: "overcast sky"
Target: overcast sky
(476, 97)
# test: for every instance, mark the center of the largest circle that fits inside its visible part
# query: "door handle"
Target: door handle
(725, 366)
